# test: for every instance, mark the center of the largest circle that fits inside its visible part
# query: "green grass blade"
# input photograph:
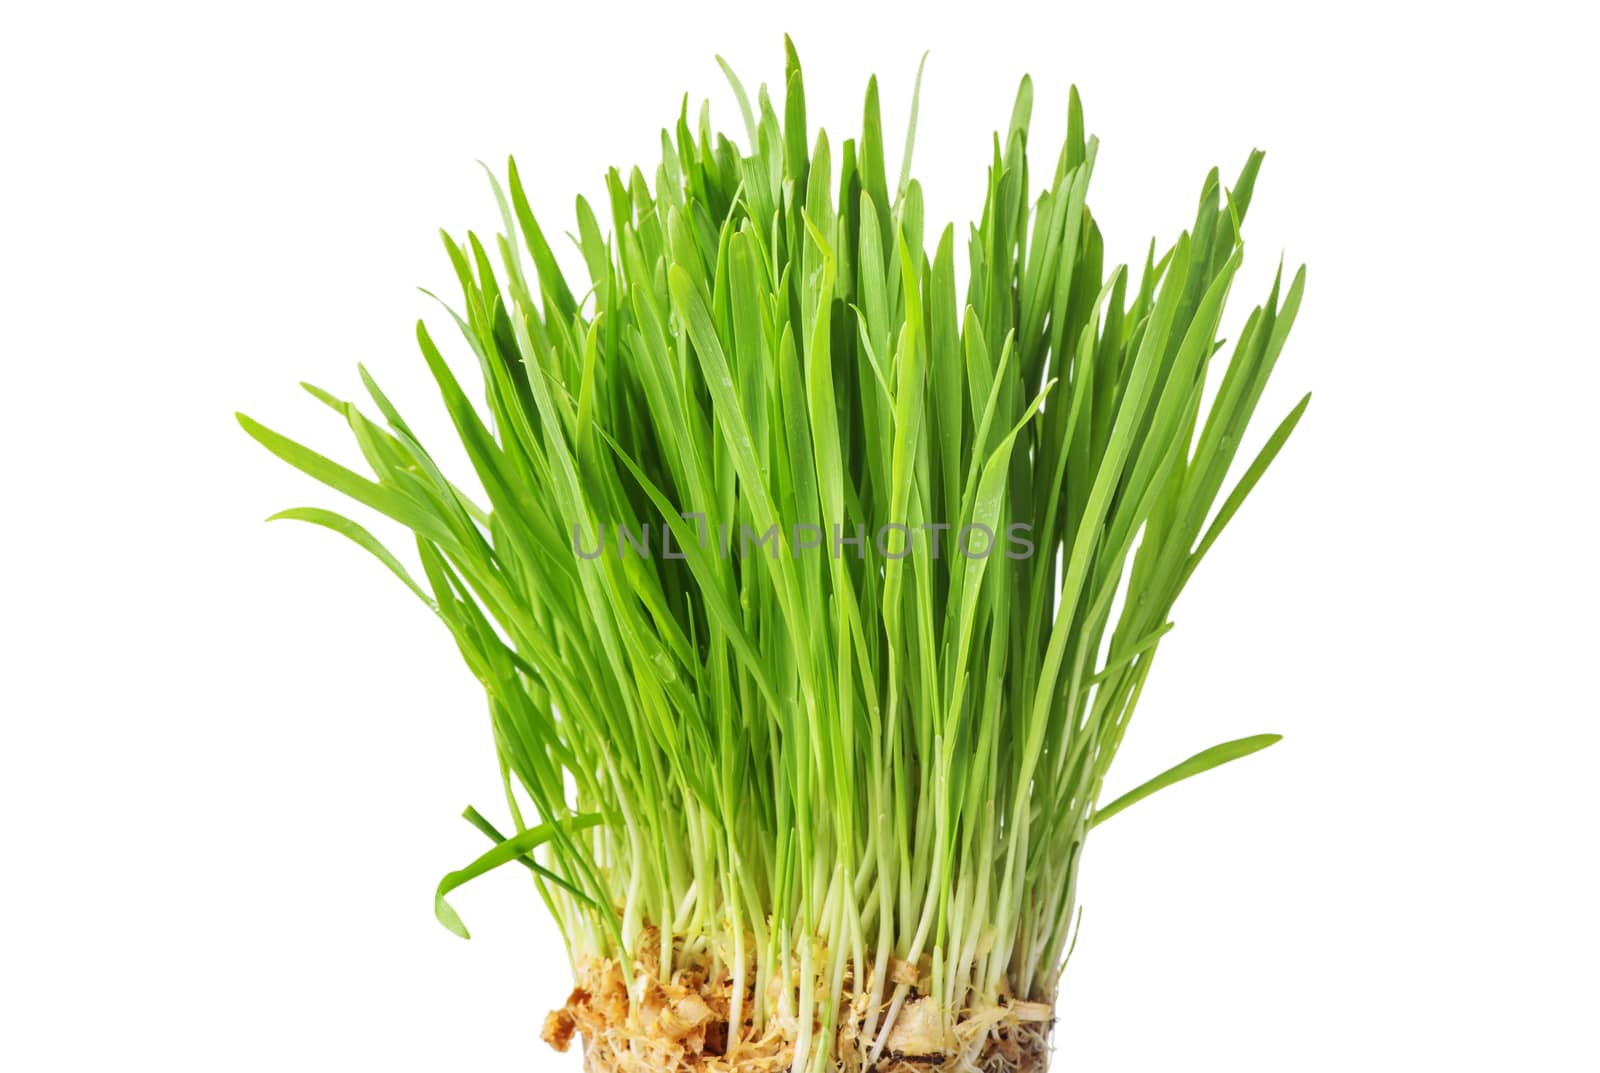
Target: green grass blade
(509, 850)
(1210, 758)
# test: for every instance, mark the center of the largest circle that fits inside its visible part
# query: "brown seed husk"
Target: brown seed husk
(631, 1021)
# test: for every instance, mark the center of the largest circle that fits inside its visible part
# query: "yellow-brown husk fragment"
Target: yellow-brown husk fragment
(631, 1021)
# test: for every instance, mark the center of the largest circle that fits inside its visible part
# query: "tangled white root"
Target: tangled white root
(631, 1021)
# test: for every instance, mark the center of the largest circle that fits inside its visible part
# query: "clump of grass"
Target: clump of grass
(763, 712)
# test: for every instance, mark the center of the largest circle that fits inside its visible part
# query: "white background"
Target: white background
(233, 755)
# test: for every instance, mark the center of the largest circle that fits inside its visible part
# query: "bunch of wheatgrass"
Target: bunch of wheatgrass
(812, 600)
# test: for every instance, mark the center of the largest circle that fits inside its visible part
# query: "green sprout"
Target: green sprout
(812, 597)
